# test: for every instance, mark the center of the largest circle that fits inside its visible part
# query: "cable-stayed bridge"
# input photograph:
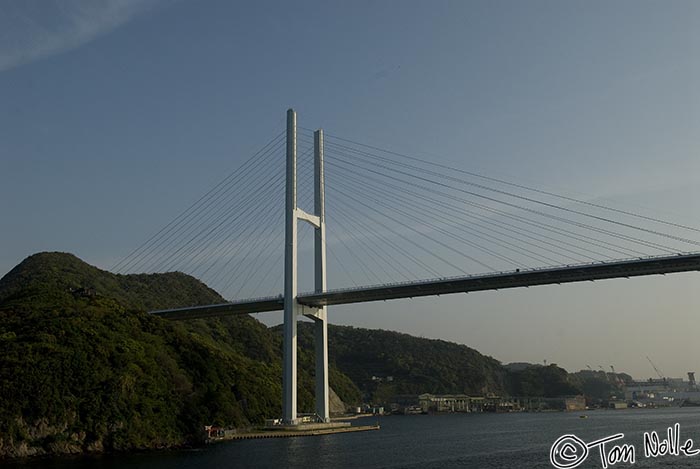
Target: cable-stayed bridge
(443, 286)
(390, 221)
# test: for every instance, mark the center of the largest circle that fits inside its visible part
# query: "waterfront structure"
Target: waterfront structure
(450, 403)
(663, 392)
(575, 403)
(465, 403)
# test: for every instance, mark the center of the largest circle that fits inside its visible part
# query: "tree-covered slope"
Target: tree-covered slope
(386, 363)
(412, 365)
(43, 279)
(83, 367)
(542, 381)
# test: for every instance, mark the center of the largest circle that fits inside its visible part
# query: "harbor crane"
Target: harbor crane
(658, 372)
(617, 379)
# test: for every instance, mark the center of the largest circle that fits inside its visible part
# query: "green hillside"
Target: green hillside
(83, 367)
(386, 363)
(413, 365)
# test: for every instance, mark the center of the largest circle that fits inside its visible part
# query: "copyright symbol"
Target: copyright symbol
(567, 452)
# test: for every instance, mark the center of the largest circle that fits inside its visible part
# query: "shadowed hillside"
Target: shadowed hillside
(413, 365)
(386, 363)
(83, 367)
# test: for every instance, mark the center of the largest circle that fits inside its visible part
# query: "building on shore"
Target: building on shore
(428, 403)
(663, 392)
(576, 403)
(465, 403)
(546, 404)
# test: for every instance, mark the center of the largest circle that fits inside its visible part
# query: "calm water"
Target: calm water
(426, 441)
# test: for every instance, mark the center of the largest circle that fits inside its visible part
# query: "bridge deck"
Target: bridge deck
(495, 281)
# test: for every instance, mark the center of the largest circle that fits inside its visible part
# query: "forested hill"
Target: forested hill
(42, 279)
(386, 363)
(83, 367)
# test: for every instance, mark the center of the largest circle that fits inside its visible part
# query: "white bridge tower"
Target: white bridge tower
(292, 308)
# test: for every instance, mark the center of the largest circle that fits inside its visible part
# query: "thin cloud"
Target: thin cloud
(33, 30)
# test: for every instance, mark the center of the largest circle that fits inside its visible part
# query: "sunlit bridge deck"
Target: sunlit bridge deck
(444, 286)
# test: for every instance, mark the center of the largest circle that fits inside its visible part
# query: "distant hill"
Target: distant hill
(518, 366)
(83, 367)
(600, 386)
(386, 363)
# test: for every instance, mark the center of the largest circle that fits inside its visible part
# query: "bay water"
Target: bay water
(477, 440)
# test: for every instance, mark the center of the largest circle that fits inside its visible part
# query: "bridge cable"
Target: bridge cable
(519, 186)
(530, 210)
(119, 265)
(435, 228)
(229, 251)
(521, 197)
(351, 234)
(468, 229)
(540, 225)
(393, 246)
(229, 216)
(222, 217)
(418, 232)
(450, 209)
(518, 218)
(265, 200)
(178, 232)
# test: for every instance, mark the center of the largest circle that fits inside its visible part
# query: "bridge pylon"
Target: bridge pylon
(292, 308)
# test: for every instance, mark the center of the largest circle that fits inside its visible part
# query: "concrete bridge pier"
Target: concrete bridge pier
(292, 308)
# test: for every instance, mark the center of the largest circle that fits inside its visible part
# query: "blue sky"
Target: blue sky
(116, 116)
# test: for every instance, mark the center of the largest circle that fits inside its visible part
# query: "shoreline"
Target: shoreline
(258, 433)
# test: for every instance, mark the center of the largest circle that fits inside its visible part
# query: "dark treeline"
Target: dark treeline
(83, 367)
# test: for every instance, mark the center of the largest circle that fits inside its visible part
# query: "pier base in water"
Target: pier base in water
(288, 431)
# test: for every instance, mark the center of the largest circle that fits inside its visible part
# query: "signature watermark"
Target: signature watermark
(570, 451)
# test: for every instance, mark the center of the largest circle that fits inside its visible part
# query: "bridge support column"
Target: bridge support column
(291, 307)
(321, 322)
(321, 343)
